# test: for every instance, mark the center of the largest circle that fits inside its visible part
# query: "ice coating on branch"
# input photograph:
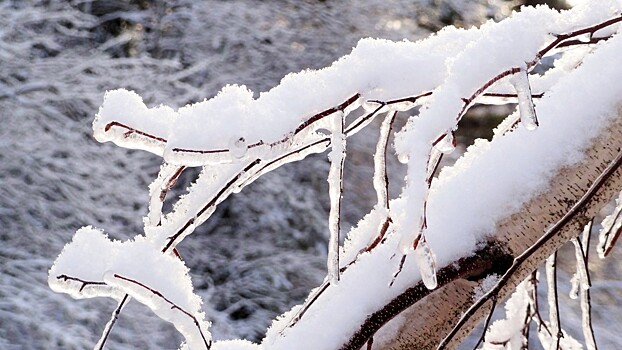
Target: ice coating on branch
(335, 188)
(157, 191)
(582, 273)
(467, 71)
(586, 306)
(85, 259)
(136, 267)
(125, 120)
(380, 161)
(235, 345)
(198, 205)
(483, 187)
(447, 144)
(548, 341)
(486, 184)
(611, 227)
(527, 110)
(553, 301)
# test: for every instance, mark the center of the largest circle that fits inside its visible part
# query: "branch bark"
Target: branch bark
(581, 191)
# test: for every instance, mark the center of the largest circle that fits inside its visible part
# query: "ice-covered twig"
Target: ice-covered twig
(610, 232)
(113, 319)
(512, 331)
(167, 177)
(205, 336)
(551, 279)
(335, 188)
(582, 252)
(381, 180)
(559, 39)
(533, 283)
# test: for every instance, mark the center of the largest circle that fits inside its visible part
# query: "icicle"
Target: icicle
(447, 144)
(335, 182)
(612, 225)
(237, 147)
(427, 263)
(528, 116)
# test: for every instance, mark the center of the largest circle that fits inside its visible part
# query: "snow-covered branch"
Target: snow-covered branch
(237, 138)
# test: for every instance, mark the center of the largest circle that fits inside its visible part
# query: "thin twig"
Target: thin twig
(84, 282)
(487, 323)
(113, 319)
(208, 343)
(552, 295)
(399, 269)
(536, 308)
(586, 304)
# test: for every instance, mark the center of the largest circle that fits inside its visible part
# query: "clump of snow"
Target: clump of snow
(137, 268)
(127, 107)
(485, 286)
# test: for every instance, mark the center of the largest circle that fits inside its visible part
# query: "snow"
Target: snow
(127, 107)
(508, 333)
(521, 164)
(233, 134)
(159, 281)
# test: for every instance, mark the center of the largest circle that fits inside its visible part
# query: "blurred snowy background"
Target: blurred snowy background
(263, 249)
